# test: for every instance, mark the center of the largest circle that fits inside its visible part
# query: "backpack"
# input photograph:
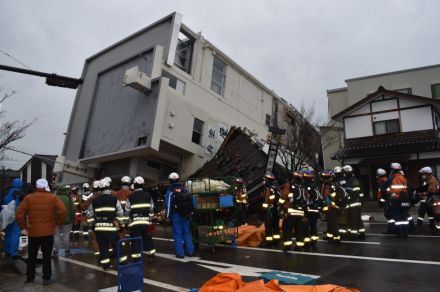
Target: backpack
(183, 202)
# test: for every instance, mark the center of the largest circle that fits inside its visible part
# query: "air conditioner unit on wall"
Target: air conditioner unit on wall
(137, 80)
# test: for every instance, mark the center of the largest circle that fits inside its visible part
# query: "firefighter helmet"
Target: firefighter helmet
(298, 174)
(426, 170)
(309, 173)
(347, 168)
(86, 186)
(104, 183)
(396, 166)
(95, 184)
(381, 172)
(326, 174)
(138, 180)
(337, 169)
(126, 180)
(173, 176)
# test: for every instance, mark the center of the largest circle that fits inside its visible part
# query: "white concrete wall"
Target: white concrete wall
(358, 127)
(416, 119)
(384, 105)
(337, 102)
(418, 80)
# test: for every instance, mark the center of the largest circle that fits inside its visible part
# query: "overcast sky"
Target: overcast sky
(297, 48)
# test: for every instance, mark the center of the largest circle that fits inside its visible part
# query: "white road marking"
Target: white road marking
(343, 241)
(336, 255)
(111, 272)
(347, 256)
(419, 236)
(357, 242)
(223, 267)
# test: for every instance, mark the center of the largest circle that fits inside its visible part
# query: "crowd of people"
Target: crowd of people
(51, 219)
(338, 198)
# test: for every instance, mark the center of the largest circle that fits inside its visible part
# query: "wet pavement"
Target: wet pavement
(380, 263)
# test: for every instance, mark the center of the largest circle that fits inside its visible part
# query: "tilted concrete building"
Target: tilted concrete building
(172, 114)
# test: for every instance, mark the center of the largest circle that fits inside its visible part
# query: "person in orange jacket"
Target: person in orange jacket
(399, 199)
(429, 189)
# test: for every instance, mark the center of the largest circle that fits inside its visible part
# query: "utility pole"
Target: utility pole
(275, 140)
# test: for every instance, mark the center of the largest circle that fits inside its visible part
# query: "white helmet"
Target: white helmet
(67, 187)
(108, 179)
(381, 172)
(396, 166)
(426, 170)
(337, 169)
(173, 176)
(347, 168)
(104, 183)
(138, 180)
(86, 186)
(95, 184)
(126, 179)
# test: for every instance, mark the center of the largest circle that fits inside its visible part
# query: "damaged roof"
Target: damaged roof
(241, 156)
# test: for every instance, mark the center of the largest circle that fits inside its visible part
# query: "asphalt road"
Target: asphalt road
(380, 263)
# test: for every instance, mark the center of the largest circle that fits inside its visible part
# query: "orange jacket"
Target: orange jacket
(432, 183)
(398, 186)
(39, 212)
(380, 181)
(123, 194)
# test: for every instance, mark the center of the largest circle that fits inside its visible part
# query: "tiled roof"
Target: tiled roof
(388, 148)
(240, 156)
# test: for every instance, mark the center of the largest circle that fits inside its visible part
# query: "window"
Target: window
(435, 89)
(184, 50)
(175, 83)
(197, 131)
(142, 141)
(218, 76)
(386, 127)
(268, 120)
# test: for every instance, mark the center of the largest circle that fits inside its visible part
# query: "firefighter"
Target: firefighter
(355, 226)
(271, 195)
(314, 205)
(384, 199)
(294, 204)
(426, 194)
(241, 201)
(85, 196)
(333, 196)
(398, 192)
(105, 210)
(96, 192)
(122, 195)
(140, 209)
(339, 182)
(76, 198)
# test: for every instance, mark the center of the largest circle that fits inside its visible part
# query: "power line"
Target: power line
(16, 60)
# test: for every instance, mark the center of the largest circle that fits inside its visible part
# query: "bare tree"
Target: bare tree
(10, 131)
(302, 142)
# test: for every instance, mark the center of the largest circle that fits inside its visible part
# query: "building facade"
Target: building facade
(190, 96)
(383, 118)
(39, 166)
